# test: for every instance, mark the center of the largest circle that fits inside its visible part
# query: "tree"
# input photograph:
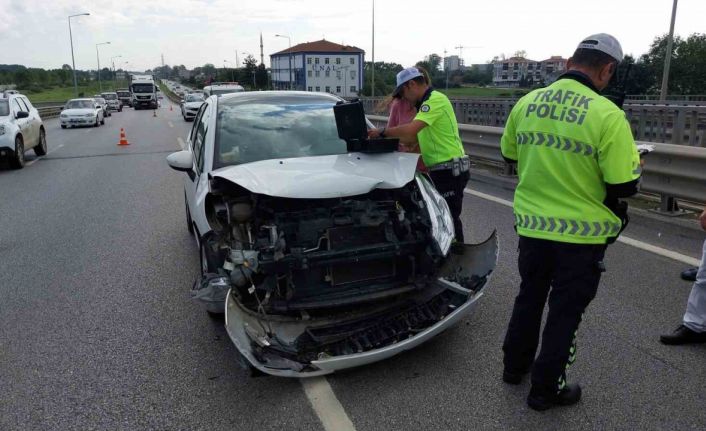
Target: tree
(385, 78)
(688, 65)
(521, 54)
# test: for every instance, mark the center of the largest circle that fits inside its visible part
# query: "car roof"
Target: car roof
(89, 99)
(277, 96)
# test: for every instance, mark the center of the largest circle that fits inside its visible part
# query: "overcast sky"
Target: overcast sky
(193, 32)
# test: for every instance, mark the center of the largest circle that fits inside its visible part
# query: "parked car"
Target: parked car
(320, 258)
(111, 98)
(103, 104)
(125, 97)
(190, 105)
(21, 129)
(82, 112)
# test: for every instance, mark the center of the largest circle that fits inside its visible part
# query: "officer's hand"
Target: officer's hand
(373, 133)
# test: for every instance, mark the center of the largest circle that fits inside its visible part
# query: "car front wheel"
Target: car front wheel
(103, 120)
(96, 123)
(41, 148)
(18, 162)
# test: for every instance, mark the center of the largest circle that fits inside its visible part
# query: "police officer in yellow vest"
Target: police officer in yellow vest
(436, 130)
(575, 156)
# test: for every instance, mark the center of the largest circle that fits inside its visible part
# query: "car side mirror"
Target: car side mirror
(21, 114)
(182, 161)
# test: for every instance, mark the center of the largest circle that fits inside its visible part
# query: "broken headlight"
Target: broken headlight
(442, 225)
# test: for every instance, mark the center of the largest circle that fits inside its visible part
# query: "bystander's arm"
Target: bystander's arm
(702, 220)
(407, 133)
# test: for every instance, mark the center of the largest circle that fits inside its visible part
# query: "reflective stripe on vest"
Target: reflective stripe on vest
(570, 227)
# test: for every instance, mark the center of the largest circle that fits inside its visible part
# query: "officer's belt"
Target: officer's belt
(449, 165)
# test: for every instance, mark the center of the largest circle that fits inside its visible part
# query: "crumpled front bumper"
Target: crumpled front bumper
(481, 261)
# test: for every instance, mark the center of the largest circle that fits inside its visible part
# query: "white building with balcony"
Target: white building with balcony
(320, 66)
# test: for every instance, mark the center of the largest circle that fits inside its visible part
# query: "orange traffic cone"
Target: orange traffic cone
(123, 139)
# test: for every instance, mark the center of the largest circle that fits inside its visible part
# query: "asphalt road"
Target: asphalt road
(97, 330)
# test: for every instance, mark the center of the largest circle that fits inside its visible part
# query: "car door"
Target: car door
(35, 121)
(22, 123)
(196, 185)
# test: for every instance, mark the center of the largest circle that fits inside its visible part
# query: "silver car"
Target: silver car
(103, 103)
(322, 258)
(113, 101)
(21, 128)
(81, 112)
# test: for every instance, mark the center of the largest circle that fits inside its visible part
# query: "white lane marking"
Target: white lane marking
(30, 163)
(171, 124)
(181, 143)
(59, 146)
(326, 405)
(622, 238)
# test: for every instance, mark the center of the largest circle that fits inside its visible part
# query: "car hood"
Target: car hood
(193, 104)
(77, 111)
(322, 177)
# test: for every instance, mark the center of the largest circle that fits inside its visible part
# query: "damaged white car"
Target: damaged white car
(322, 259)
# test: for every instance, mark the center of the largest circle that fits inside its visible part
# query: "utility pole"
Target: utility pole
(372, 65)
(73, 62)
(290, 58)
(100, 85)
(668, 55)
(446, 67)
(262, 52)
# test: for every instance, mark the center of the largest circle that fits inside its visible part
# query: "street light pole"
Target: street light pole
(668, 55)
(73, 62)
(290, 57)
(115, 79)
(100, 85)
(232, 73)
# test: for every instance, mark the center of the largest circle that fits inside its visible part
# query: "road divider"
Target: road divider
(671, 171)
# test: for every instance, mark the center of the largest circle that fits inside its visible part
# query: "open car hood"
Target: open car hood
(322, 177)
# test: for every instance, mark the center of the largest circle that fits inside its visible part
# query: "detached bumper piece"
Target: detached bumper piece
(313, 346)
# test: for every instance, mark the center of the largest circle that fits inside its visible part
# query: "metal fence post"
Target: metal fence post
(678, 126)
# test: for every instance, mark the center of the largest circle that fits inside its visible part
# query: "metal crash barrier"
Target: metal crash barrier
(671, 171)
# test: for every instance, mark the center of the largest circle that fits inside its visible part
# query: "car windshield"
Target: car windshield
(142, 88)
(4, 108)
(110, 96)
(194, 98)
(123, 94)
(100, 100)
(275, 129)
(79, 104)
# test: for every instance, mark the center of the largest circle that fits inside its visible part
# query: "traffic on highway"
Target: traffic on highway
(280, 246)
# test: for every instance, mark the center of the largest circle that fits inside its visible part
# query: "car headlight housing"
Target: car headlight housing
(2, 130)
(442, 224)
(89, 115)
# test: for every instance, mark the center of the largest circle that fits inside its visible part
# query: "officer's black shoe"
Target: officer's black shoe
(513, 378)
(683, 335)
(689, 274)
(540, 401)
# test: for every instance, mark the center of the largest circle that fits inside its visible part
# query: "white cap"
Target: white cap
(405, 75)
(605, 43)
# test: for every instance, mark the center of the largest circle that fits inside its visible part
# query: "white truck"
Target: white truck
(144, 92)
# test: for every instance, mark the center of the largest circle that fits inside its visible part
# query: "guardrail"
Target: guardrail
(671, 171)
(50, 111)
(675, 124)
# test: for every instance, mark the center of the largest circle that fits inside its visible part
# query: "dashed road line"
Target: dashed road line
(622, 238)
(181, 143)
(30, 163)
(326, 405)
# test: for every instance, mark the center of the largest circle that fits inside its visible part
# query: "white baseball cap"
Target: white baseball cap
(605, 43)
(405, 75)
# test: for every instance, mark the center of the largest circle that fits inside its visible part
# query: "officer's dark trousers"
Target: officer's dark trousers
(451, 188)
(569, 275)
